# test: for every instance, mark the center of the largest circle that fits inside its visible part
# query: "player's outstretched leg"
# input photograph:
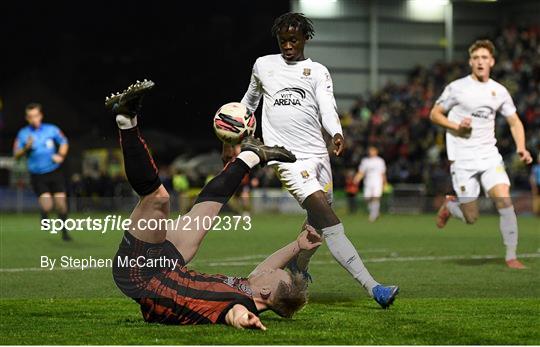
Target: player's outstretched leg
(141, 171)
(374, 206)
(500, 194)
(219, 190)
(322, 217)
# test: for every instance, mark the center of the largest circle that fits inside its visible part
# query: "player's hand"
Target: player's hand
(309, 238)
(227, 153)
(249, 320)
(339, 144)
(525, 156)
(57, 158)
(464, 128)
(29, 143)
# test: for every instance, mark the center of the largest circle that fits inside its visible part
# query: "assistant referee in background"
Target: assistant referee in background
(45, 147)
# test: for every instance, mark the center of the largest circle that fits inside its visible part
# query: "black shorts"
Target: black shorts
(132, 280)
(50, 182)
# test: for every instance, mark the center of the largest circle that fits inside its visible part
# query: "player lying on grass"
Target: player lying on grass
(467, 109)
(180, 296)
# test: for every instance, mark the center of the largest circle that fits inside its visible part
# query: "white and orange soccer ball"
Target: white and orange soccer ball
(233, 122)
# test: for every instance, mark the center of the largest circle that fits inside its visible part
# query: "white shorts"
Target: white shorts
(373, 190)
(467, 177)
(306, 176)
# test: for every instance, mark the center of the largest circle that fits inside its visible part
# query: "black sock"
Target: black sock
(44, 214)
(63, 217)
(141, 171)
(223, 186)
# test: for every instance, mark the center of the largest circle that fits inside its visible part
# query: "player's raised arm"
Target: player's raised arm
(442, 106)
(307, 240)
(518, 133)
(253, 95)
(241, 318)
(324, 93)
(251, 100)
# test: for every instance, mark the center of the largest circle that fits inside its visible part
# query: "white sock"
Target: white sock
(374, 209)
(510, 253)
(125, 122)
(250, 158)
(453, 207)
(509, 231)
(344, 252)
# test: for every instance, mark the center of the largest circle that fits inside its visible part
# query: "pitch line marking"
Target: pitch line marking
(391, 259)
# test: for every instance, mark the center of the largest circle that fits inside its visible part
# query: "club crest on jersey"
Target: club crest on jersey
(493, 93)
(305, 174)
(307, 72)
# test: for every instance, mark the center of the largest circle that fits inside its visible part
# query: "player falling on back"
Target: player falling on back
(467, 109)
(298, 104)
(176, 295)
(373, 171)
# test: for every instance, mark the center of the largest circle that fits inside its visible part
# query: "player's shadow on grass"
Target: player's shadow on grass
(478, 262)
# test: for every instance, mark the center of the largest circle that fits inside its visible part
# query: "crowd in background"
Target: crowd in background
(396, 119)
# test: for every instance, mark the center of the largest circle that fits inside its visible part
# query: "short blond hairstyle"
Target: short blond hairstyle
(487, 44)
(290, 298)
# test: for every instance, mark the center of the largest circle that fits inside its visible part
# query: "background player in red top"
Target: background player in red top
(176, 295)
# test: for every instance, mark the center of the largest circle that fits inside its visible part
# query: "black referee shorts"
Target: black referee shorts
(50, 182)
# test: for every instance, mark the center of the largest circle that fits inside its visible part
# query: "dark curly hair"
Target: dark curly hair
(295, 20)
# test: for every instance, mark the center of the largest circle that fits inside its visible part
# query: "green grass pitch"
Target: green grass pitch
(455, 288)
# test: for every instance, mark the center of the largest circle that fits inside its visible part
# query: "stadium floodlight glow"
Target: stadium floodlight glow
(426, 10)
(320, 8)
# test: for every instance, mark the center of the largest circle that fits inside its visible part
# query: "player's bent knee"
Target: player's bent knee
(159, 198)
(470, 219)
(161, 193)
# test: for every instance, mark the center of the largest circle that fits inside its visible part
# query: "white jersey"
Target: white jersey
(298, 103)
(480, 101)
(373, 168)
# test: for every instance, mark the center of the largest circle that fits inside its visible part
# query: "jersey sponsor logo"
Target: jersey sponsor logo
(484, 112)
(289, 97)
(307, 72)
(235, 282)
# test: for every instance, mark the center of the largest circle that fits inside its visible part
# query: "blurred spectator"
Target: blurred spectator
(351, 190)
(180, 183)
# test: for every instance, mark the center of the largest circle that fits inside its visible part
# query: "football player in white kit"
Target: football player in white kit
(298, 104)
(373, 171)
(471, 104)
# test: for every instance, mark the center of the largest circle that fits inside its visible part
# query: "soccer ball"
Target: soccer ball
(233, 122)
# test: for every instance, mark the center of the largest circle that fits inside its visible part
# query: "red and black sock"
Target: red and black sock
(141, 171)
(223, 186)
